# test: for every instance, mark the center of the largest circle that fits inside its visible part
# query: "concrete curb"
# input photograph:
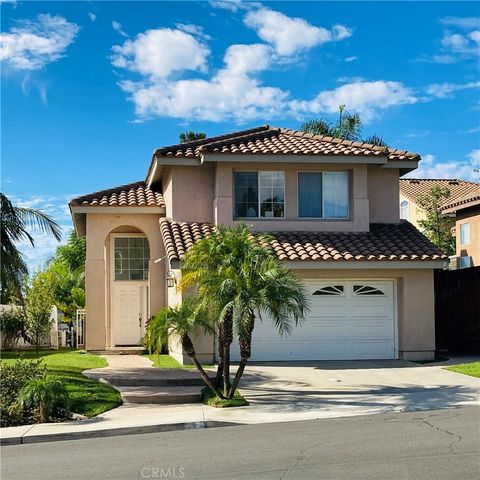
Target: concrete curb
(112, 432)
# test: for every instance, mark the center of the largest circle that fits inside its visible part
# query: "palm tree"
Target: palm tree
(191, 136)
(348, 127)
(46, 394)
(184, 320)
(238, 275)
(15, 222)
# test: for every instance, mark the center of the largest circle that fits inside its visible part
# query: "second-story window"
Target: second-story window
(259, 194)
(323, 195)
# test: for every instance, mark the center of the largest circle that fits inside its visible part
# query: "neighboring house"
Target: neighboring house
(467, 228)
(412, 188)
(332, 208)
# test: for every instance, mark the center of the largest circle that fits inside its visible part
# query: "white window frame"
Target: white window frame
(341, 219)
(259, 217)
(404, 204)
(465, 241)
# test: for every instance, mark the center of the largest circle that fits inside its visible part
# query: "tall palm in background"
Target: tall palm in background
(348, 127)
(15, 223)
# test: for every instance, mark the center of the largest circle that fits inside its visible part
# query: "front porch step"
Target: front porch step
(152, 382)
(124, 351)
(161, 395)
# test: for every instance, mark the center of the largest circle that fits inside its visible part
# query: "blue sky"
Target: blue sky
(90, 89)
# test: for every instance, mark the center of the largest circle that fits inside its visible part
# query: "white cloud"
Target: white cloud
(461, 22)
(117, 26)
(430, 167)
(231, 94)
(234, 5)
(351, 59)
(290, 35)
(366, 98)
(92, 16)
(444, 90)
(194, 30)
(158, 53)
(33, 44)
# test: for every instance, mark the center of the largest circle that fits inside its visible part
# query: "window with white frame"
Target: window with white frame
(259, 194)
(464, 234)
(131, 258)
(404, 213)
(323, 195)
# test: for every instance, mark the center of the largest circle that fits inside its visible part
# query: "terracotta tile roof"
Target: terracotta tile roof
(412, 188)
(463, 202)
(131, 195)
(384, 242)
(267, 140)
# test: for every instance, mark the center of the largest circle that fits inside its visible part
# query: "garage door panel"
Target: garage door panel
(357, 323)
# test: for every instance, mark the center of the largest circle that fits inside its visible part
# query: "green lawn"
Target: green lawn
(166, 361)
(88, 396)
(209, 398)
(472, 369)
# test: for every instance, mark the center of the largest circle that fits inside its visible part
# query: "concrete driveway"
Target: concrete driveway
(330, 389)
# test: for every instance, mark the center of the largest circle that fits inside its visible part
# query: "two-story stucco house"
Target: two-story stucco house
(332, 207)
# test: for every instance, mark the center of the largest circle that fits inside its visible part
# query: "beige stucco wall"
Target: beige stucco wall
(383, 191)
(189, 193)
(359, 209)
(97, 269)
(473, 248)
(415, 214)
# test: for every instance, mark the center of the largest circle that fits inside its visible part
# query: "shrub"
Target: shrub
(14, 377)
(46, 395)
(12, 325)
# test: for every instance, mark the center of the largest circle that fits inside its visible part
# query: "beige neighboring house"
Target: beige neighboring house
(467, 228)
(412, 188)
(331, 206)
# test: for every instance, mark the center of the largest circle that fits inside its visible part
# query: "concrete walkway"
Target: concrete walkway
(140, 383)
(279, 393)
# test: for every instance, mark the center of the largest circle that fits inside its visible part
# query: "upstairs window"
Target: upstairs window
(323, 195)
(464, 234)
(259, 194)
(404, 210)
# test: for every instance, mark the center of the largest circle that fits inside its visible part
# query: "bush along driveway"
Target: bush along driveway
(88, 397)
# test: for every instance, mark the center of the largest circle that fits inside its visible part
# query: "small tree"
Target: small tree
(38, 306)
(12, 326)
(436, 226)
(191, 136)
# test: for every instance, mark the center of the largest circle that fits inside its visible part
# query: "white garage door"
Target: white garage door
(348, 320)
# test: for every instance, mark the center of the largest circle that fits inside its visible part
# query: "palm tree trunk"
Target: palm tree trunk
(43, 413)
(219, 376)
(245, 353)
(228, 339)
(190, 350)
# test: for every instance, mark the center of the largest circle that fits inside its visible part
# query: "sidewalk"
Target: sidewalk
(279, 394)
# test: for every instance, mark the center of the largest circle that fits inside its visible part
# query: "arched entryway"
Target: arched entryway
(129, 287)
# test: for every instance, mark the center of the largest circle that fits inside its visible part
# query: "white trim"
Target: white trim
(365, 264)
(95, 209)
(268, 158)
(141, 283)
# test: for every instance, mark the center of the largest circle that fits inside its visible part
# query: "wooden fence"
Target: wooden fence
(457, 310)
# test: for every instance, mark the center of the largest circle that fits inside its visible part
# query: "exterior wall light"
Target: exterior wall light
(171, 279)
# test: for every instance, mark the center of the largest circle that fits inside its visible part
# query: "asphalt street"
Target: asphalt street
(441, 444)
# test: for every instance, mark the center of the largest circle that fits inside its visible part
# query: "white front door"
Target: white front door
(348, 320)
(129, 290)
(128, 313)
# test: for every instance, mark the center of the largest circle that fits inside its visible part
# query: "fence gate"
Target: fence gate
(80, 327)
